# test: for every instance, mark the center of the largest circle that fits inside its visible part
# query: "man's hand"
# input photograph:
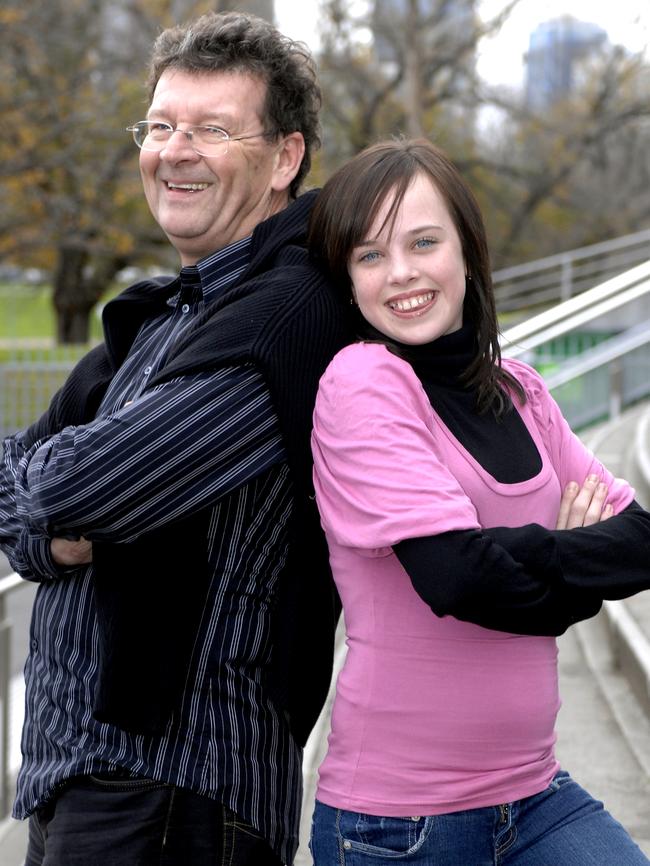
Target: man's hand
(71, 553)
(582, 506)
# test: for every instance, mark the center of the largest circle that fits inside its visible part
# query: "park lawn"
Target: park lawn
(32, 366)
(26, 313)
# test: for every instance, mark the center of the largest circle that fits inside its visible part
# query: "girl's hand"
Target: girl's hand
(582, 506)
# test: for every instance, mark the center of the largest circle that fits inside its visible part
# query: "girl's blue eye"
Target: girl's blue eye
(369, 257)
(422, 243)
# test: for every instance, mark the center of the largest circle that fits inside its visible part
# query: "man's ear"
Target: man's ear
(288, 160)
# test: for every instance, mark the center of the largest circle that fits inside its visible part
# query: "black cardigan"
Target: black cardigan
(282, 316)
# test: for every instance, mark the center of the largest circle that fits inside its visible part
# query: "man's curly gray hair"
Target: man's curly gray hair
(238, 42)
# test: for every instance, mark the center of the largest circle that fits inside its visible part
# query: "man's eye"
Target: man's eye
(158, 128)
(213, 133)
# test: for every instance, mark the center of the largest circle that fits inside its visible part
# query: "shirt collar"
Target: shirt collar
(212, 275)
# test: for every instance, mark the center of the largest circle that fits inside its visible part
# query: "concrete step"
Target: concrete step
(628, 622)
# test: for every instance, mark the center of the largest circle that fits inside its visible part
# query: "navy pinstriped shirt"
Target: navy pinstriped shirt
(151, 456)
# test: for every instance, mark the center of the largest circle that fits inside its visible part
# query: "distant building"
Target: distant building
(559, 50)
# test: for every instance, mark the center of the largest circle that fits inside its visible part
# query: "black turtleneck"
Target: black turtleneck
(502, 446)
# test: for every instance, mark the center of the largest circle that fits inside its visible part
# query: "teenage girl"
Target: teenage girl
(439, 473)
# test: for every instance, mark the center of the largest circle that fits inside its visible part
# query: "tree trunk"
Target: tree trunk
(79, 283)
(72, 311)
(73, 326)
(414, 65)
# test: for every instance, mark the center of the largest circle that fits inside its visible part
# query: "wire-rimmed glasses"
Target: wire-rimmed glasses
(205, 140)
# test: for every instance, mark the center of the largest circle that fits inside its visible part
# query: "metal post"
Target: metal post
(615, 388)
(566, 279)
(7, 584)
(4, 427)
(5, 635)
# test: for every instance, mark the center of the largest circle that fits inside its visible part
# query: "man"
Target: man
(166, 700)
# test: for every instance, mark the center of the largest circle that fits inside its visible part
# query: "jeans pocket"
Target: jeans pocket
(559, 779)
(121, 782)
(385, 837)
(242, 843)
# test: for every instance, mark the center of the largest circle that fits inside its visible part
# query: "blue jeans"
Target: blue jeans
(120, 821)
(562, 826)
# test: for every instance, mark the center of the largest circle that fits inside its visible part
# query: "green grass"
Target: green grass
(26, 313)
(33, 367)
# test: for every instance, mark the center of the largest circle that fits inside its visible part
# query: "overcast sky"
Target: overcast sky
(627, 22)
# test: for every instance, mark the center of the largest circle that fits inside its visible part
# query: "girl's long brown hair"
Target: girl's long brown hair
(348, 205)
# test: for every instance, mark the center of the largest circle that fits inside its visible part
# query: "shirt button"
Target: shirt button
(34, 645)
(147, 370)
(186, 308)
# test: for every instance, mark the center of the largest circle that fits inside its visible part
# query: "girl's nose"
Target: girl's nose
(402, 270)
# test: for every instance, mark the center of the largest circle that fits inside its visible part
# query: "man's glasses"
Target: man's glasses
(205, 140)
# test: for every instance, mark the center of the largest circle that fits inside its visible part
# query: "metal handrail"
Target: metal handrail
(642, 451)
(576, 254)
(600, 355)
(578, 311)
(558, 277)
(7, 584)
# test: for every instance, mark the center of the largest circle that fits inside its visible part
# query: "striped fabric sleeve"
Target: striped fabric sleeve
(176, 449)
(32, 557)
(26, 548)
(10, 523)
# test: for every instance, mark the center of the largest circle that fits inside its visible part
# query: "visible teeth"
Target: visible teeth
(407, 304)
(191, 186)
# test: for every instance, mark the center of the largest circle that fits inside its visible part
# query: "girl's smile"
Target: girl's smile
(408, 277)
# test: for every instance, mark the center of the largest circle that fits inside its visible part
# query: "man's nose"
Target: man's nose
(179, 147)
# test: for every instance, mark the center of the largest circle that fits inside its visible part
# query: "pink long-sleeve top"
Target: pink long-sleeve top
(431, 715)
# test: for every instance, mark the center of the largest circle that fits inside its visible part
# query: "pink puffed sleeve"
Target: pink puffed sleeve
(378, 473)
(572, 460)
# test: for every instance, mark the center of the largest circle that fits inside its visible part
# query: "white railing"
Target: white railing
(557, 278)
(599, 382)
(603, 381)
(596, 303)
(642, 454)
(8, 585)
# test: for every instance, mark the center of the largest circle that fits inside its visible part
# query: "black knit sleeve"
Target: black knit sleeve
(467, 575)
(77, 401)
(611, 559)
(530, 580)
